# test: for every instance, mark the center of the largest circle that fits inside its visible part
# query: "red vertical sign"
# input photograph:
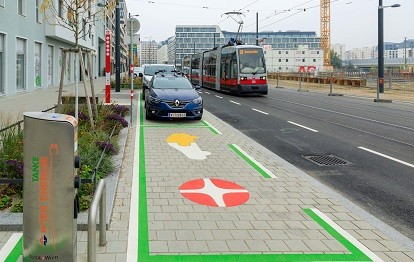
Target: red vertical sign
(107, 66)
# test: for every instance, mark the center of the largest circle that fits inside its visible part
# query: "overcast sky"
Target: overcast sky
(353, 22)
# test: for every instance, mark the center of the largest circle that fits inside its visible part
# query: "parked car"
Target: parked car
(137, 70)
(172, 96)
(149, 72)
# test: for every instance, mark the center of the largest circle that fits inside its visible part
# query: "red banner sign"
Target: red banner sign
(107, 66)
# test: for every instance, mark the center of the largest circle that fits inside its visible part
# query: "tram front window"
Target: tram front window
(251, 61)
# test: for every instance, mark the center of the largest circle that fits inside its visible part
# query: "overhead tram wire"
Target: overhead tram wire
(281, 12)
(248, 5)
(306, 8)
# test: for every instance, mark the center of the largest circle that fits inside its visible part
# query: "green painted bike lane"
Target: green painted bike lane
(355, 254)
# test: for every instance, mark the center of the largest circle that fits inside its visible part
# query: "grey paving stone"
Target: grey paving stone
(398, 256)
(116, 246)
(277, 245)
(257, 245)
(218, 246)
(237, 245)
(158, 246)
(240, 234)
(185, 235)
(198, 246)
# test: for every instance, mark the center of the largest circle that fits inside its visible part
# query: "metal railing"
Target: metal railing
(98, 197)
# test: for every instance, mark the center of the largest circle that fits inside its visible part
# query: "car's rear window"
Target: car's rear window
(172, 82)
(151, 70)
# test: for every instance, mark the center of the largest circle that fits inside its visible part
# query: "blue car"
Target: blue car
(172, 96)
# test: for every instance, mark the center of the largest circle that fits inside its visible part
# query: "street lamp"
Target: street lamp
(380, 88)
(117, 47)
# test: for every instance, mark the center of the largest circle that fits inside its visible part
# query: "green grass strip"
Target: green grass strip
(249, 161)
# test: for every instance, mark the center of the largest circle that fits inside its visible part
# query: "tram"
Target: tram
(238, 69)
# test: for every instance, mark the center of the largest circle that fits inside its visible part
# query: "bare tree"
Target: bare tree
(77, 17)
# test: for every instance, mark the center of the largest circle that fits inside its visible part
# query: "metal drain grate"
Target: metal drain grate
(328, 160)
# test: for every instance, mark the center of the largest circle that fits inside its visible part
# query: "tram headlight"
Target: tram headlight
(262, 78)
(243, 78)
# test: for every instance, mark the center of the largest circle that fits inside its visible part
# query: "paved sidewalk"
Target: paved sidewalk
(203, 191)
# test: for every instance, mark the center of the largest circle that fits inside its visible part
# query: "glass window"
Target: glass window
(20, 64)
(2, 3)
(1, 64)
(251, 61)
(172, 82)
(38, 15)
(38, 64)
(50, 66)
(60, 8)
(20, 7)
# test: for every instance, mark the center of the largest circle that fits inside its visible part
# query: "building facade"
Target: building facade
(148, 52)
(340, 50)
(299, 60)
(190, 39)
(162, 54)
(31, 47)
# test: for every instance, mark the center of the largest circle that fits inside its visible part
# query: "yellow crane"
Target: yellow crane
(326, 32)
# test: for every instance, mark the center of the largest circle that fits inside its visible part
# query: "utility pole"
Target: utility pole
(117, 48)
(380, 48)
(405, 52)
(257, 29)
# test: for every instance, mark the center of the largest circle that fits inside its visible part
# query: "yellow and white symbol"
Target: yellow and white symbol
(185, 143)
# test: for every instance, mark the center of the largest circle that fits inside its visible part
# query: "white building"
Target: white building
(148, 52)
(340, 50)
(162, 55)
(300, 60)
(361, 53)
(31, 47)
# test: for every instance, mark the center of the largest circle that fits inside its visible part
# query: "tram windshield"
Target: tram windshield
(252, 61)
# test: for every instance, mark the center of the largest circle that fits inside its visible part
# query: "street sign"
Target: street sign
(134, 23)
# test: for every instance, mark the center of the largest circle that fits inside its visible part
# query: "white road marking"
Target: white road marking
(10, 244)
(386, 156)
(296, 124)
(207, 93)
(259, 111)
(255, 161)
(218, 96)
(235, 102)
(132, 250)
(348, 237)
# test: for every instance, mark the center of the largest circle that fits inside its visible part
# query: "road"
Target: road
(374, 143)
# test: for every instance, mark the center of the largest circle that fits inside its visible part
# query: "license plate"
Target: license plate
(177, 114)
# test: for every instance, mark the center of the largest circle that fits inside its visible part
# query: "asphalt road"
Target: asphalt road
(376, 140)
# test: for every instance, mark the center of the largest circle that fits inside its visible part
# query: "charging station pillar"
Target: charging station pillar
(50, 202)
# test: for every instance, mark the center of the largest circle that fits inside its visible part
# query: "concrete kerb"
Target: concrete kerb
(14, 221)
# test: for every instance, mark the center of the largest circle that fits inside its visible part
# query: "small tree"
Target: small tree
(76, 16)
(336, 62)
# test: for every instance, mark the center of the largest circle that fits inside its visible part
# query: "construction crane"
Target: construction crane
(326, 32)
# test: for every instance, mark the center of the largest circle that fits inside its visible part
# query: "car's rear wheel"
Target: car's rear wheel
(143, 93)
